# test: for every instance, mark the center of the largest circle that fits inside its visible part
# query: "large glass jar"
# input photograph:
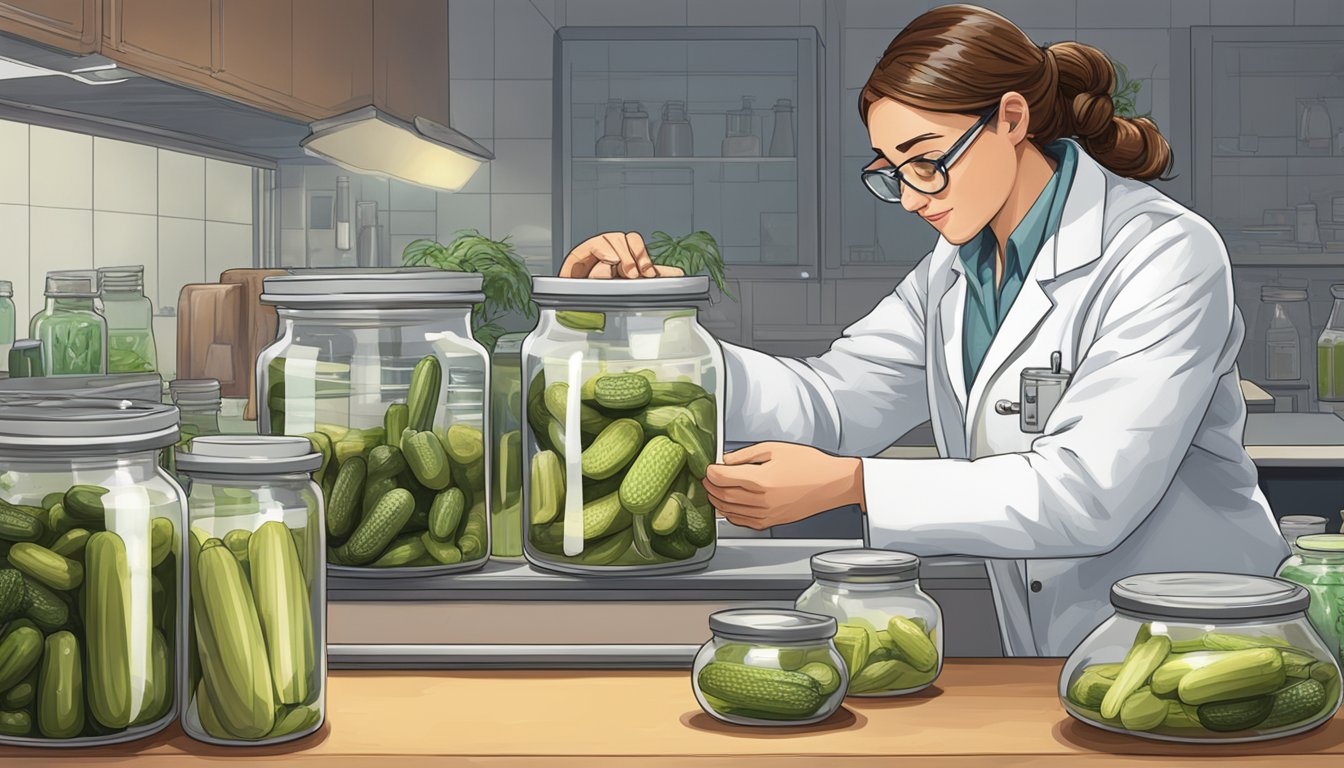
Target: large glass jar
(1203, 657)
(506, 409)
(130, 320)
(6, 321)
(1318, 565)
(769, 667)
(73, 334)
(378, 368)
(621, 391)
(90, 598)
(889, 629)
(257, 668)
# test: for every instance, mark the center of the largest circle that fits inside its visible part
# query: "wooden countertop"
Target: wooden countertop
(1000, 712)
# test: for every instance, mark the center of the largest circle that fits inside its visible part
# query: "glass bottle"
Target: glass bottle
(635, 130)
(742, 140)
(1330, 352)
(781, 141)
(6, 320)
(130, 320)
(1318, 565)
(1292, 526)
(198, 401)
(674, 133)
(73, 334)
(611, 144)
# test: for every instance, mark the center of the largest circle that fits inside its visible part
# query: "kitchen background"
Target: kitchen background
(1250, 94)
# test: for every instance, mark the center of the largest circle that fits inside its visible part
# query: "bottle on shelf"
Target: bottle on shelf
(611, 144)
(635, 130)
(674, 133)
(781, 140)
(742, 140)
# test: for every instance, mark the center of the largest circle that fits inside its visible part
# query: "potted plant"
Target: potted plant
(506, 283)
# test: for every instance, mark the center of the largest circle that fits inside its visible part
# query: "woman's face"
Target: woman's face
(978, 183)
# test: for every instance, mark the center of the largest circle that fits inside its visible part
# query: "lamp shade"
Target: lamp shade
(371, 141)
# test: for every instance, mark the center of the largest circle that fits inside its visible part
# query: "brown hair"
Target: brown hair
(961, 58)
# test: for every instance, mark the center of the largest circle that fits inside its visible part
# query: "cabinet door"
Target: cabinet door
(72, 25)
(410, 47)
(256, 46)
(333, 55)
(160, 37)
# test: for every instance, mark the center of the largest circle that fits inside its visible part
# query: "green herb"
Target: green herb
(506, 283)
(1126, 92)
(695, 254)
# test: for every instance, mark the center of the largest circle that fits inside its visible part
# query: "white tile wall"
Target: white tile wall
(745, 13)
(181, 257)
(14, 258)
(621, 13)
(228, 192)
(1249, 12)
(13, 162)
(1131, 14)
(473, 107)
(471, 43)
(181, 185)
(1144, 52)
(459, 211)
(524, 109)
(59, 238)
(527, 49)
(525, 219)
(125, 177)
(227, 246)
(60, 168)
(521, 165)
(409, 197)
(121, 239)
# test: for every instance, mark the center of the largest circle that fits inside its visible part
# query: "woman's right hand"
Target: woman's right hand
(614, 255)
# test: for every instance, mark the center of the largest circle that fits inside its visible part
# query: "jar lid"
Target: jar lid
(372, 288)
(72, 284)
(562, 291)
(865, 566)
(1213, 596)
(195, 392)
(1302, 520)
(147, 387)
(1337, 290)
(84, 425)
(1279, 293)
(6, 289)
(249, 455)
(1321, 542)
(769, 625)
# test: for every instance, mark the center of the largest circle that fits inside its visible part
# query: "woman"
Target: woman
(1049, 242)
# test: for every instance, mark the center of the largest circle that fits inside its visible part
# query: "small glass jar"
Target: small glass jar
(257, 668)
(506, 419)
(73, 334)
(1330, 351)
(1293, 526)
(625, 364)
(1203, 657)
(888, 631)
(130, 320)
(378, 368)
(1318, 565)
(198, 401)
(6, 321)
(95, 537)
(769, 667)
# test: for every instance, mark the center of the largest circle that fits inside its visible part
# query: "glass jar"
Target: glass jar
(1318, 565)
(506, 419)
(769, 667)
(635, 130)
(378, 368)
(6, 321)
(1293, 526)
(781, 140)
(626, 363)
(1283, 334)
(611, 144)
(73, 334)
(1330, 352)
(1203, 657)
(675, 138)
(198, 401)
(257, 668)
(130, 320)
(888, 633)
(96, 529)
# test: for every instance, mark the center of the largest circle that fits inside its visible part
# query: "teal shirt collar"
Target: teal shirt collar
(986, 307)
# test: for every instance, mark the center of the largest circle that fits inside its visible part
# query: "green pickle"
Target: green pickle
(746, 683)
(1209, 685)
(900, 658)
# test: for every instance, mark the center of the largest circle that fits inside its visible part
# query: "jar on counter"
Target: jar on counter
(257, 668)
(379, 370)
(1203, 657)
(889, 629)
(90, 595)
(198, 401)
(130, 320)
(769, 667)
(621, 391)
(1293, 526)
(1318, 565)
(506, 419)
(6, 321)
(73, 334)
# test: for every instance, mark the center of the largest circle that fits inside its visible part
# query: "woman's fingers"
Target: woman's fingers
(739, 502)
(752, 454)
(624, 260)
(664, 271)
(614, 254)
(635, 243)
(754, 523)
(587, 256)
(738, 476)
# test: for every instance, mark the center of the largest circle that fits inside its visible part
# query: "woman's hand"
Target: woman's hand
(770, 484)
(612, 255)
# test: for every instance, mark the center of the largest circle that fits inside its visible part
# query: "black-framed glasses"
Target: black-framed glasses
(925, 175)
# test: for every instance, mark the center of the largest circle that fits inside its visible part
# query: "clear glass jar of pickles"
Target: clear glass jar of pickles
(889, 632)
(1203, 657)
(769, 667)
(379, 370)
(257, 598)
(506, 409)
(621, 392)
(73, 334)
(90, 591)
(1318, 565)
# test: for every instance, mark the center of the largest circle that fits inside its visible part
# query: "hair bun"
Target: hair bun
(1093, 115)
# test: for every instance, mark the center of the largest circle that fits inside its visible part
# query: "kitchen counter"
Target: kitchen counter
(981, 712)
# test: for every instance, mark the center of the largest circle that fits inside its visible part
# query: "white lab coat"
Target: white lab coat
(1140, 467)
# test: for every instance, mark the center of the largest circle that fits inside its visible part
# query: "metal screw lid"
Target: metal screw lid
(865, 566)
(145, 387)
(83, 426)
(1211, 596)
(249, 455)
(372, 288)
(767, 625)
(565, 291)
(72, 284)
(194, 393)
(6, 289)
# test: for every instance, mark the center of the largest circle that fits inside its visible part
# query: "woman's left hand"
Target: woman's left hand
(770, 484)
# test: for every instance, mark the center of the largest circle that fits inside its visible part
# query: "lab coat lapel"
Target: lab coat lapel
(947, 401)
(1076, 244)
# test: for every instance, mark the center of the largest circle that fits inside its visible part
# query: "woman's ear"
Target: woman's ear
(1014, 117)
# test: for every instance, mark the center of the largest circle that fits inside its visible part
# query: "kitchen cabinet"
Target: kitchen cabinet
(71, 25)
(156, 36)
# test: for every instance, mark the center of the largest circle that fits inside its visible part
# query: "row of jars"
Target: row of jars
(580, 446)
(127, 603)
